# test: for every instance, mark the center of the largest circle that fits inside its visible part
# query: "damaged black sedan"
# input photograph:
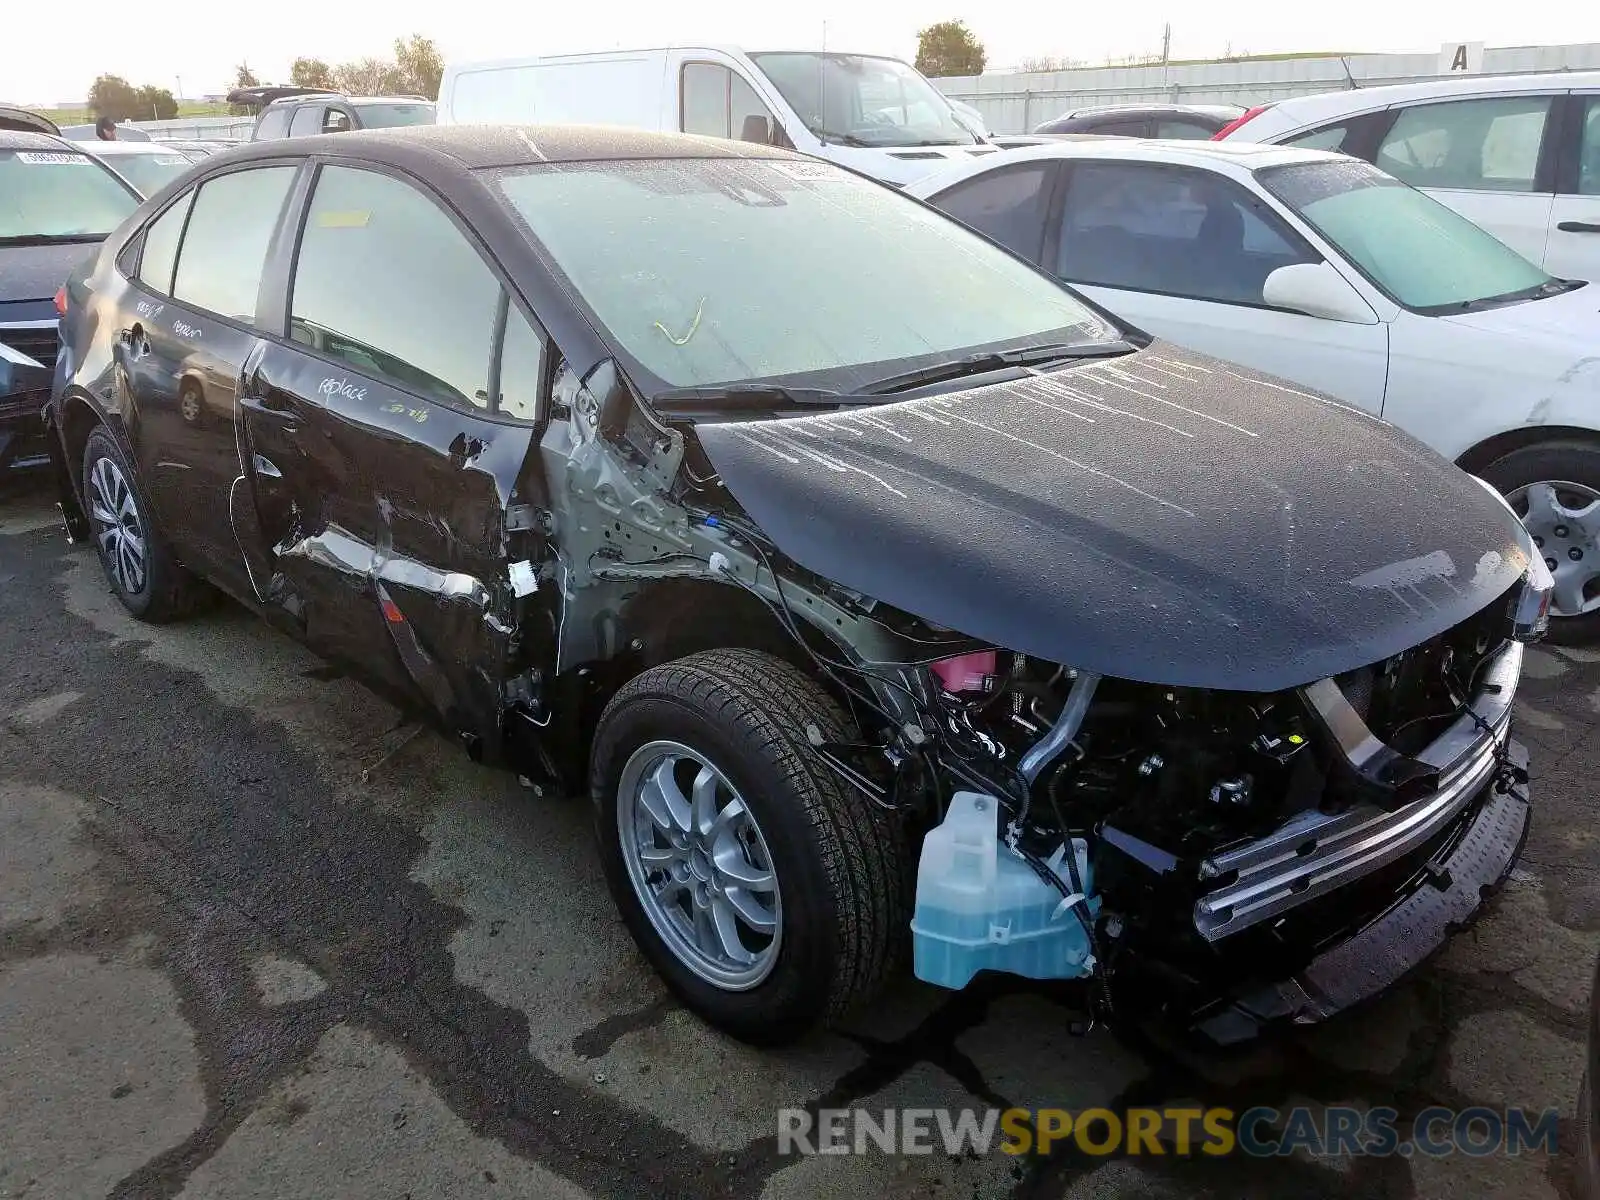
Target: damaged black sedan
(870, 581)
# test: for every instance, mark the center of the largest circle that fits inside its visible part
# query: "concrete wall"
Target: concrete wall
(1016, 102)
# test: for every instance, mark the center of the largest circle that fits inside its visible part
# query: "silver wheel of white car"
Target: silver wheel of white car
(1564, 519)
(1555, 488)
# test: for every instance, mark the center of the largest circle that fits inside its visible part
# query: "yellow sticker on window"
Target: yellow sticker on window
(344, 220)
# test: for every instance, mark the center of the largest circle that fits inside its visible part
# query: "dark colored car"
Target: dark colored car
(788, 557)
(297, 112)
(1197, 121)
(20, 119)
(56, 204)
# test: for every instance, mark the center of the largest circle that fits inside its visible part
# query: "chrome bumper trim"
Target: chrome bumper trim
(1315, 853)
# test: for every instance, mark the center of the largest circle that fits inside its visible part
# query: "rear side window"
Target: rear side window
(1007, 206)
(1139, 128)
(225, 245)
(1171, 230)
(274, 124)
(386, 283)
(1477, 145)
(1182, 129)
(160, 252)
(307, 120)
(1589, 150)
(1329, 137)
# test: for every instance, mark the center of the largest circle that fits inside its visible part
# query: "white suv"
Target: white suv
(1517, 154)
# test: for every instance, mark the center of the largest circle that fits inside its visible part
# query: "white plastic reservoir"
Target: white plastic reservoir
(981, 907)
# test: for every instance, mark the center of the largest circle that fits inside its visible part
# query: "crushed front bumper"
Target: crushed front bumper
(1458, 882)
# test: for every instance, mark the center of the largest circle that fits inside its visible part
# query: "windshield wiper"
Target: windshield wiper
(993, 360)
(843, 139)
(747, 396)
(1539, 291)
(50, 239)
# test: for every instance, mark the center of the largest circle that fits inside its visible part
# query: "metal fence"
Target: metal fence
(1016, 102)
(227, 129)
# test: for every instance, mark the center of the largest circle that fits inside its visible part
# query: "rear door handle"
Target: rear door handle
(1578, 226)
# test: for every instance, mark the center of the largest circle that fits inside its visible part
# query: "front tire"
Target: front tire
(138, 565)
(766, 895)
(1555, 488)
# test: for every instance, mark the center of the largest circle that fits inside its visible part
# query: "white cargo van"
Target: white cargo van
(874, 115)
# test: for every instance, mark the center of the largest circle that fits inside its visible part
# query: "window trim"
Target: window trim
(1272, 218)
(282, 307)
(1544, 165)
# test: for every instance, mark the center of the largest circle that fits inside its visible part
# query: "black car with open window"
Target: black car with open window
(863, 575)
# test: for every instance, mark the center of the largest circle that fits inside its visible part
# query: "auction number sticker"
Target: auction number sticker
(52, 157)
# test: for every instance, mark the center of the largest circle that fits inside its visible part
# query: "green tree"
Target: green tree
(311, 73)
(156, 104)
(421, 63)
(244, 77)
(948, 48)
(113, 96)
(369, 77)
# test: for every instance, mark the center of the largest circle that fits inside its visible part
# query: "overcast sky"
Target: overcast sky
(65, 48)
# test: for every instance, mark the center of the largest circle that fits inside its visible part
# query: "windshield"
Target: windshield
(1422, 254)
(59, 194)
(864, 101)
(149, 173)
(388, 116)
(714, 271)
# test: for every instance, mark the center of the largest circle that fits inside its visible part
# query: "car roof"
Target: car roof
(1147, 110)
(12, 117)
(1230, 158)
(22, 139)
(421, 148)
(1365, 99)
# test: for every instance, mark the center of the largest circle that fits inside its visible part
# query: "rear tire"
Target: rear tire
(1578, 465)
(836, 904)
(138, 564)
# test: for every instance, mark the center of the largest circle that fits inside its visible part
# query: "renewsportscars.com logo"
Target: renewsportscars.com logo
(1339, 1132)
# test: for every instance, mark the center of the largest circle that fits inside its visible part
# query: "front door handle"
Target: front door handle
(1579, 226)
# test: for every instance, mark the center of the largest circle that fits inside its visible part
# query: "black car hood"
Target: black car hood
(1161, 517)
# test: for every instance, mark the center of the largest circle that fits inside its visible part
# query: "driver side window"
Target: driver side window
(1171, 230)
(718, 103)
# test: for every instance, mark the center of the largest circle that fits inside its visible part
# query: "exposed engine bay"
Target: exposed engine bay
(1153, 787)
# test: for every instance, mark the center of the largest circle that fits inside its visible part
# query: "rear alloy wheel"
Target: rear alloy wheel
(1555, 489)
(767, 895)
(138, 566)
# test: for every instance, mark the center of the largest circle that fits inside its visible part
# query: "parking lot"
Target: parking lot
(258, 937)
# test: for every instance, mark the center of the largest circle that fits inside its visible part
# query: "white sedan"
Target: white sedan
(1326, 272)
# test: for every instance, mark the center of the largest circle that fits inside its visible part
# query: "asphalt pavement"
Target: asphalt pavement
(260, 937)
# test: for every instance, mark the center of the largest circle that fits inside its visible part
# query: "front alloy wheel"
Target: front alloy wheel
(767, 895)
(699, 865)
